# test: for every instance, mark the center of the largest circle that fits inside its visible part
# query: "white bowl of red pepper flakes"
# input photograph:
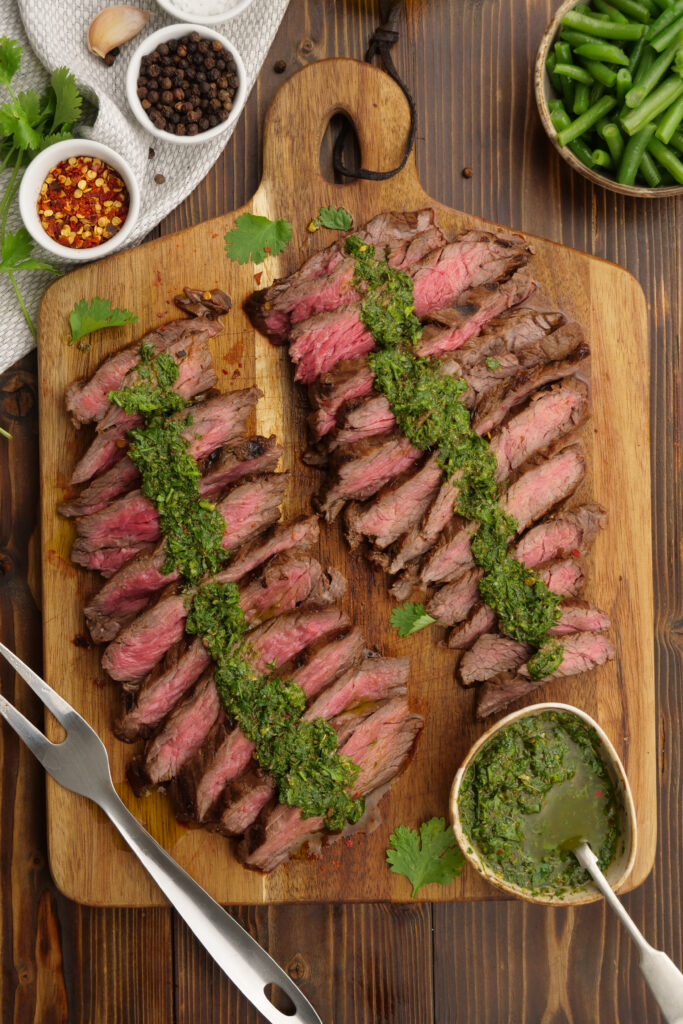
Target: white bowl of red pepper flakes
(79, 199)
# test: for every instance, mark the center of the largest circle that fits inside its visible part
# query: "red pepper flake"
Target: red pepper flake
(225, 372)
(215, 234)
(257, 277)
(599, 794)
(158, 276)
(235, 373)
(576, 552)
(349, 842)
(266, 248)
(82, 202)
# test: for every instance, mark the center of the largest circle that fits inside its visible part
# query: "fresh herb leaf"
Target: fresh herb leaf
(16, 122)
(16, 253)
(334, 217)
(10, 59)
(431, 856)
(68, 100)
(409, 618)
(254, 238)
(493, 364)
(87, 317)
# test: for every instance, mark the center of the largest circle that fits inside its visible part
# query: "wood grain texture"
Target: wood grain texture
(468, 62)
(601, 296)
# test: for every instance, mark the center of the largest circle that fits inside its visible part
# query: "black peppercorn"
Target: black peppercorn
(167, 96)
(166, 83)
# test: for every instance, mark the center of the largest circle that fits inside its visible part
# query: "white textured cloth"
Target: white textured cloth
(56, 32)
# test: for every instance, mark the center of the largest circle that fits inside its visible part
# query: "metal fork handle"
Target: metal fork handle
(233, 949)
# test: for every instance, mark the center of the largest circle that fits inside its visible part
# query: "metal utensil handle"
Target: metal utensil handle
(248, 966)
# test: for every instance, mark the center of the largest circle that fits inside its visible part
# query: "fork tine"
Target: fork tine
(50, 698)
(34, 739)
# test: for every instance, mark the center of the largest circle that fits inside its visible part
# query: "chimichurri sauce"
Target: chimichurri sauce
(534, 790)
(429, 411)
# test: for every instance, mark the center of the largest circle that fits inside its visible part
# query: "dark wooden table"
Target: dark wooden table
(469, 63)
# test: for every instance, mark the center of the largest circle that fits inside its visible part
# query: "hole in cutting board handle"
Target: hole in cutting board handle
(339, 123)
(280, 1000)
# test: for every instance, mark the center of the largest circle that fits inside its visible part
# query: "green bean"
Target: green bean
(587, 120)
(650, 79)
(601, 158)
(634, 9)
(571, 71)
(613, 13)
(555, 105)
(563, 52)
(665, 19)
(633, 151)
(568, 35)
(653, 105)
(635, 55)
(664, 156)
(614, 140)
(649, 171)
(607, 52)
(666, 37)
(624, 82)
(663, 4)
(669, 121)
(560, 120)
(602, 29)
(676, 140)
(597, 91)
(581, 99)
(644, 64)
(600, 72)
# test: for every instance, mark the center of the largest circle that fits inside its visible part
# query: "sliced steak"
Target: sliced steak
(362, 469)
(580, 617)
(473, 310)
(380, 746)
(248, 508)
(211, 303)
(421, 537)
(195, 375)
(347, 380)
(406, 236)
(280, 640)
(480, 620)
(162, 689)
(397, 508)
(287, 580)
(327, 660)
(491, 654)
(233, 462)
(121, 478)
(582, 653)
(570, 532)
(182, 735)
(87, 399)
(243, 800)
(361, 418)
(320, 343)
(497, 401)
(515, 332)
(300, 533)
(453, 602)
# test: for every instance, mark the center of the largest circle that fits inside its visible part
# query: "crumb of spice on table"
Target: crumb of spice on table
(82, 202)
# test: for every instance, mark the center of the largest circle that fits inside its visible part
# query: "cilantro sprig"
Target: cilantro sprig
(433, 855)
(336, 218)
(409, 618)
(95, 315)
(29, 121)
(254, 237)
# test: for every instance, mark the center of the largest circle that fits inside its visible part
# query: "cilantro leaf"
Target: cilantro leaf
(16, 124)
(68, 100)
(409, 618)
(10, 59)
(335, 217)
(87, 317)
(254, 238)
(16, 253)
(431, 856)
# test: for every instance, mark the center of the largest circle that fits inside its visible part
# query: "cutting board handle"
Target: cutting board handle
(301, 110)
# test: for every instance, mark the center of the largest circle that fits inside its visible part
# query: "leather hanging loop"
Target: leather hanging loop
(381, 43)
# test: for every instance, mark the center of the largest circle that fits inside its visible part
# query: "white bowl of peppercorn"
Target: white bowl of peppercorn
(79, 199)
(186, 83)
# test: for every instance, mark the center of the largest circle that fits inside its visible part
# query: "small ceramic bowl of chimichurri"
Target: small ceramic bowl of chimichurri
(529, 790)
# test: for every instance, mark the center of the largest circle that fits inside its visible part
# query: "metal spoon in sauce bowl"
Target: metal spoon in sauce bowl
(661, 974)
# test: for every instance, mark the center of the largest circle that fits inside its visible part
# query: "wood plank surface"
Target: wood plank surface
(603, 297)
(479, 963)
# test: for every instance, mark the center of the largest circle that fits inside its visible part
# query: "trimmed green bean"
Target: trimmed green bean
(602, 29)
(644, 64)
(676, 140)
(572, 71)
(667, 158)
(624, 82)
(649, 171)
(614, 140)
(601, 158)
(587, 120)
(633, 152)
(635, 55)
(582, 97)
(600, 72)
(634, 9)
(597, 91)
(608, 9)
(555, 105)
(669, 121)
(663, 4)
(607, 52)
(668, 36)
(650, 79)
(582, 152)
(568, 35)
(563, 52)
(653, 105)
(665, 19)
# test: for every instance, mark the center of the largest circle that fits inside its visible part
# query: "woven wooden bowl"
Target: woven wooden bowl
(544, 93)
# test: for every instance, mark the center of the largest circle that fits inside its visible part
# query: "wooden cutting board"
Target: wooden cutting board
(89, 862)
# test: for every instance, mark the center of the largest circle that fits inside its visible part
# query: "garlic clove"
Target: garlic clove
(114, 26)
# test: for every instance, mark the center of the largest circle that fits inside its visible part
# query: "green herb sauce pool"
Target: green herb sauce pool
(534, 790)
